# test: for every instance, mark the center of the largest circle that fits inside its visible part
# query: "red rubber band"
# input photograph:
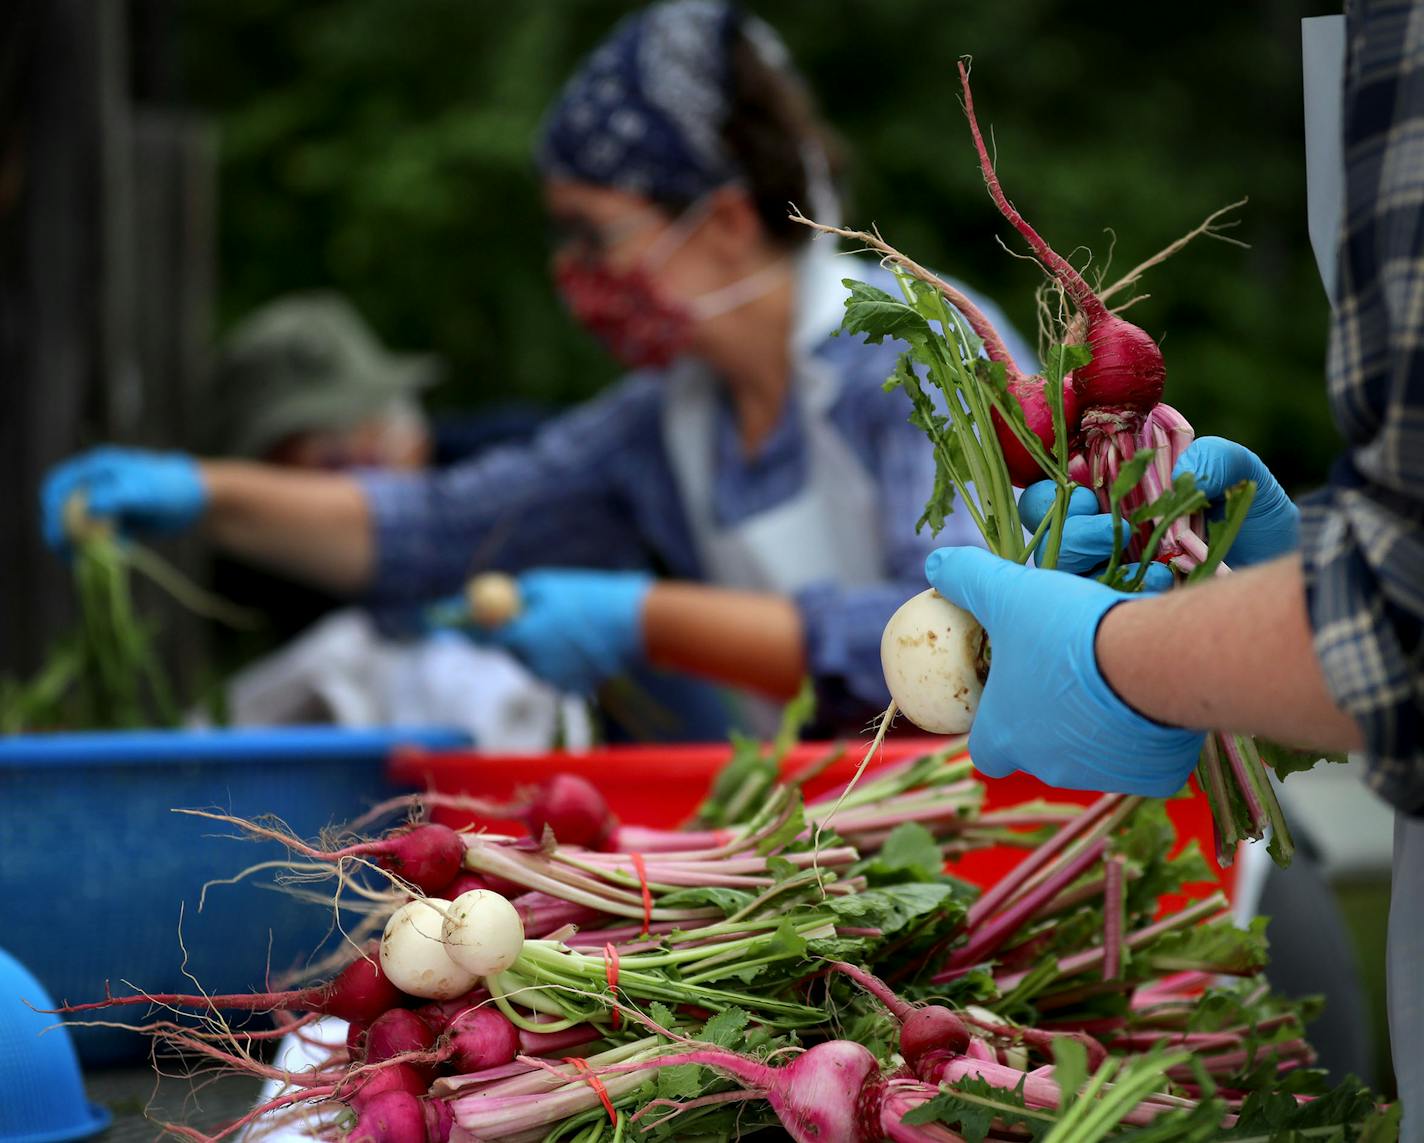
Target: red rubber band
(610, 969)
(642, 870)
(581, 1065)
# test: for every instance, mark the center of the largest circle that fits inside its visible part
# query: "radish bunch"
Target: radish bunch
(1094, 417)
(684, 991)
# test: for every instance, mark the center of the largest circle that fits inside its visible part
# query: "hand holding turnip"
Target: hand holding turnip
(1046, 707)
(574, 628)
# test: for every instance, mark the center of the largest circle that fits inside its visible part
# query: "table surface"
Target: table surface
(139, 1100)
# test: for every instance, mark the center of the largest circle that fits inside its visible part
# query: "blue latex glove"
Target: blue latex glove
(1087, 534)
(575, 629)
(1046, 708)
(140, 491)
(1272, 526)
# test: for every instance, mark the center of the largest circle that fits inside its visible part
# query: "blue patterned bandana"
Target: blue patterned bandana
(645, 112)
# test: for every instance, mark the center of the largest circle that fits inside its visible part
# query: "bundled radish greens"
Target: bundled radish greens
(1093, 417)
(107, 675)
(712, 983)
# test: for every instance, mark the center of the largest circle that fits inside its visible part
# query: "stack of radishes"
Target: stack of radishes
(539, 990)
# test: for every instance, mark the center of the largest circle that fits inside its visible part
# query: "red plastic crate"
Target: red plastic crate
(662, 785)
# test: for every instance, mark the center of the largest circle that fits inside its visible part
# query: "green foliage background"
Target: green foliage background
(382, 147)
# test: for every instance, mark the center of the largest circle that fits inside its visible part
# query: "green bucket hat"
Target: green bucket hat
(306, 362)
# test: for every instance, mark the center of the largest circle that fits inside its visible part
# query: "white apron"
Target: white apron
(828, 530)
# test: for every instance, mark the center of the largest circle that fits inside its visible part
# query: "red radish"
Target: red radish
(439, 1013)
(428, 856)
(482, 1038)
(573, 809)
(817, 1096)
(922, 1029)
(395, 1033)
(1126, 372)
(933, 1027)
(402, 1078)
(1029, 392)
(391, 1117)
(359, 993)
(356, 1039)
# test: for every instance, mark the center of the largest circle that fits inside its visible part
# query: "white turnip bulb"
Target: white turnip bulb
(413, 953)
(933, 656)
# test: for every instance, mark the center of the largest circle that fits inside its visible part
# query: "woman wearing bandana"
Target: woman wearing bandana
(740, 507)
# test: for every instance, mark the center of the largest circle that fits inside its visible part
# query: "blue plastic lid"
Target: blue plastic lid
(41, 1091)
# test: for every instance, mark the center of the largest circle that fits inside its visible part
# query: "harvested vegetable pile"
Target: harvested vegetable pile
(804, 967)
(1094, 418)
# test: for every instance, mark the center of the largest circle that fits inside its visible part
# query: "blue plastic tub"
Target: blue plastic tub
(95, 868)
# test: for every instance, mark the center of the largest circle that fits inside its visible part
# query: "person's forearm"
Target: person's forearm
(311, 526)
(1232, 654)
(746, 639)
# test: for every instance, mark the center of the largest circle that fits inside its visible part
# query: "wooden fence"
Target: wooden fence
(107, 250)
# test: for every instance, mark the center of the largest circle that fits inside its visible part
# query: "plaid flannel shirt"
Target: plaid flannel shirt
(1363, 535)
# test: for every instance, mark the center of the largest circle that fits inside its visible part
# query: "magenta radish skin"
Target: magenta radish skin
(403, 1079)
(395, 1033)
(428, 856)
(817, 1096)
(933, 1027)
(1029, 392)
(572, 809)
(1127, 370)
(439, 1013)
(391, 1117)
(481, 1038)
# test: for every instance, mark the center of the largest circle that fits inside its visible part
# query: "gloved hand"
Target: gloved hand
(1272, 526)
(1087, 534)
(140, 491)
(575, 629)
(1046, 707)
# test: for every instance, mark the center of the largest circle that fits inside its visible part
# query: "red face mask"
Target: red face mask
(627, 312)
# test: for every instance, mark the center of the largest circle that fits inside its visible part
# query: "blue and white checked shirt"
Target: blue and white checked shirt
(1363, 535)
(595, 489)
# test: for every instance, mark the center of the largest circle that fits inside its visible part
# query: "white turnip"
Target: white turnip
(413, 952)
(482, 932)
(934, 656)
(493, 599)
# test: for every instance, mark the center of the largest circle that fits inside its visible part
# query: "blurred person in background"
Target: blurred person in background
(740, 507)
(304, 384)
